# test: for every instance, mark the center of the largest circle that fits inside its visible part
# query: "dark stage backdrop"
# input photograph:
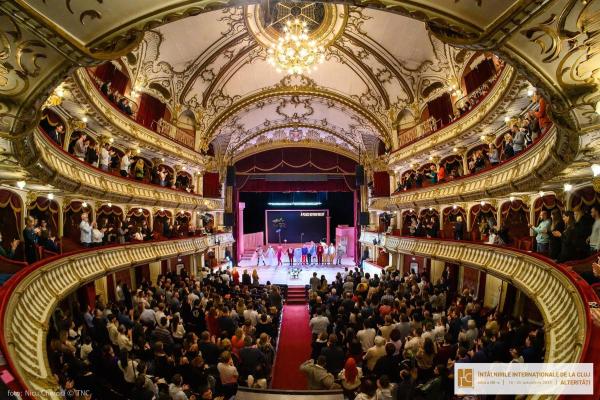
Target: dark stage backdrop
(339, 205)
(312, 223)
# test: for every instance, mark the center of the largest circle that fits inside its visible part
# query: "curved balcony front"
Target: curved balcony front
(489, 106)
(29, 298)
(524, 172)
(60, 169)
(561, 296)
(120, 124)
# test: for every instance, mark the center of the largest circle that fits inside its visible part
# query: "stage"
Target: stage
(281, 275)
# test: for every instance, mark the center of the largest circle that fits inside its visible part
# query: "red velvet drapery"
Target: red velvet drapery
(547, 202)
(262, 185)
(72, 218)
(381, 184)
(150, 111)
(10, 214)
(107, 72)
(586, 197)
(477, 76)
(296, 160)
(43, 208)
(478, 209)
(160, 219)
(210, 185)
(441, 108)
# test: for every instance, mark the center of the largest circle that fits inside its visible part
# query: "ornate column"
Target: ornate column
(200, 183)
(462, 152)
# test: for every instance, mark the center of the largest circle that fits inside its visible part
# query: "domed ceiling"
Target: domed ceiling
(216, 65)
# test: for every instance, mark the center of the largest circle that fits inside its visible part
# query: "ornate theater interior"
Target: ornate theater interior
(264, 199)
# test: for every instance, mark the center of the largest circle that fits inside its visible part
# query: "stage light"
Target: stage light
(21, 184)
(50, 196)
(294, 204)
(568, 187)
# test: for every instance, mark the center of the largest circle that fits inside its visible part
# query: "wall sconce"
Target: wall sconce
(568, 187)
(21, 184)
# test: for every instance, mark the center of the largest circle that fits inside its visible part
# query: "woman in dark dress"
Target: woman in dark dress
(557, 225)
(30, 238)
(567, 236)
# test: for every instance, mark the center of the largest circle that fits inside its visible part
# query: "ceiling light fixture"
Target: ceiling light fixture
(85, 119)
(295, 52)
(541, 193)
(109, 205)
(482, 203)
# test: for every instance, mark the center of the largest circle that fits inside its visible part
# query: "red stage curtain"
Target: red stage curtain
(441, 108)
(477, 76)
(296, 160)
(43, 208)
(107, 72)
(210, 185)
(381, 184)
(150, 111)
(262, 185)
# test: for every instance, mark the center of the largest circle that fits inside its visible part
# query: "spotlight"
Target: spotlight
(21, 184)
(430, 208)
(568, 187)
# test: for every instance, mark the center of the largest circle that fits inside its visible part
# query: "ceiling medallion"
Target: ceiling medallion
(296, 52)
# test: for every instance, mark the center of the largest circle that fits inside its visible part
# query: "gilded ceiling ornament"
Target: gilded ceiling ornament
(547, 38)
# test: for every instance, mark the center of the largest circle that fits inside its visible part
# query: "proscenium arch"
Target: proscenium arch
(248, 101)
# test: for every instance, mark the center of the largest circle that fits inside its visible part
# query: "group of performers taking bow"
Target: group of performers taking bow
(310, 253)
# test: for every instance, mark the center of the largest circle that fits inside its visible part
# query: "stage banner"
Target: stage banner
(296, 226)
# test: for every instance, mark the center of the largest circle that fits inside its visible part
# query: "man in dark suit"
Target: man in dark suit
(334, 354)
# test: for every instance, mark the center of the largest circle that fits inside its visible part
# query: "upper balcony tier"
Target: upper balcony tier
(164, 137)
(500, 93)
(61, 169)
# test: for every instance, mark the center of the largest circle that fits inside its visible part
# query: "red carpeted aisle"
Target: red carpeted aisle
(294, 347)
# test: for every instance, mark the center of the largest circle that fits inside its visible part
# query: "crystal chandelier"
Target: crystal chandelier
(295, 52)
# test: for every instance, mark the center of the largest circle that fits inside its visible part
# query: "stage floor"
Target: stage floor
(281, 275)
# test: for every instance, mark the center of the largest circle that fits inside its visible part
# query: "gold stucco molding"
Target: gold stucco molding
(61, 170)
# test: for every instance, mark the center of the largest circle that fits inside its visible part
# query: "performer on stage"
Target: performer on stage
(331, 253)
(341, 251)
(270, 256)
(279, 255)
(312, 252)
(304, 253)
(260, 256)
(290, 252)
(320, 251)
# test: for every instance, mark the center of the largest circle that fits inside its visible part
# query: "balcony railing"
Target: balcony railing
(28, 299)
(65, 171)
(418, 131)
(561, 295)
(175, 133)
(119, 123)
